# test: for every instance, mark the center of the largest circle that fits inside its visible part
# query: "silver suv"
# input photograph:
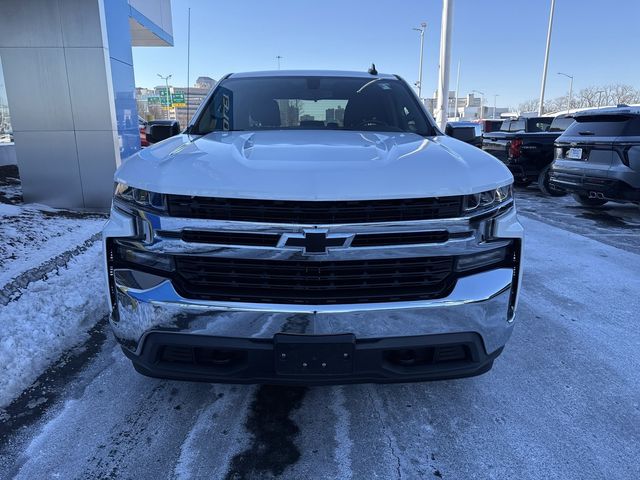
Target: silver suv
(598, 157)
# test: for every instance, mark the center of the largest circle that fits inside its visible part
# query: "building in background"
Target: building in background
(68, 72)
(468, 108)
(155, 104)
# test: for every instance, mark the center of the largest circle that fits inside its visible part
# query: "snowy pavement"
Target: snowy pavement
(563, 401)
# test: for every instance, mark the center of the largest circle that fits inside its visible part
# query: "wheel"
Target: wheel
(588, 202)
(522, 182)
(545, 187)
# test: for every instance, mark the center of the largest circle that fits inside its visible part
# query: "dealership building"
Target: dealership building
(68, 74)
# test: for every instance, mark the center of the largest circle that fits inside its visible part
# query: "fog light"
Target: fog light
(146, 259)
(477, 260)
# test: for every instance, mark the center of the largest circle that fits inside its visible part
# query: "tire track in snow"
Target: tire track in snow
(342, 452)
(11, 290)
(216, 435)
(392, 445)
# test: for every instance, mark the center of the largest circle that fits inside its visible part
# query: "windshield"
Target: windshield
(560, 124)
(603, 125)
(318, 103)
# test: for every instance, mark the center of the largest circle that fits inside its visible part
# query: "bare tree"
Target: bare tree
(593, 96)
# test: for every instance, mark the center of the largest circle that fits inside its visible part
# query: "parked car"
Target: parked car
(142, 127)
(469, 132)
(275, 241)
(489, 125)
(598, 157)
(525, 145)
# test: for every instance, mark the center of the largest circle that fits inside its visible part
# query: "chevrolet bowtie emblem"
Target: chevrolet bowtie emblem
(315, 241)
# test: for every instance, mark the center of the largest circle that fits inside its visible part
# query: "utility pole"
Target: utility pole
(457, 89)
(169, 99)
(422, 28)
(188, 64)
(570, 89)
(546, 59)
(445, 57)
(494, 105)
(278, 57)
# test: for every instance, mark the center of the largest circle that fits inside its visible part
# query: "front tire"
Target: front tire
(544, 185)
(588, 202)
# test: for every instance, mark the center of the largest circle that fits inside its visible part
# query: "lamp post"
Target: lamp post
(570, 89)
(546, 59)
(422, 28)
(278, 57)
(169, 99)
(457, 89)
(481, 102)
(494, 105)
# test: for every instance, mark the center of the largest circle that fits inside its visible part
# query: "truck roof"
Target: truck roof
(310, 73)
(622, 110)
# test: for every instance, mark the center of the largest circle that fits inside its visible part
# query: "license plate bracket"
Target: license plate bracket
(314, 354)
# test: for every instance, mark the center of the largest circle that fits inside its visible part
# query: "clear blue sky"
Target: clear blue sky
(500, 43)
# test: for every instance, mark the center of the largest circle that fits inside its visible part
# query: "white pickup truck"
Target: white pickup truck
(312, 227)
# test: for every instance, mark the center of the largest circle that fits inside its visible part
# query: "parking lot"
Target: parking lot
(561, 402)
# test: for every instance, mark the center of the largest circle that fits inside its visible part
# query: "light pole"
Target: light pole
(546, 59)
(481, 102)
(278, 57)
(494, 105)
(442, 110)
(422, 28)
(457, 89)
(570, 89)
(169, 99)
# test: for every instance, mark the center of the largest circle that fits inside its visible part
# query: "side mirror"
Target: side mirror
(158, 130)
(464, 134)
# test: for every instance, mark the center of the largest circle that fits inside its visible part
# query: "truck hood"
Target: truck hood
(313, 165)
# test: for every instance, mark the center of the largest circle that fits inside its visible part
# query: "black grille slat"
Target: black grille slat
(230, 238)
(313, 282)
(402, 238)
(320, 212)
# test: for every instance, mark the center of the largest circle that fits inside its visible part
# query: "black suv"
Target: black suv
(525, 145)
(598, 157)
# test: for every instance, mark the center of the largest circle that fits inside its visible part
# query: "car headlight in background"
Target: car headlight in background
(139, 197)
(483, 201)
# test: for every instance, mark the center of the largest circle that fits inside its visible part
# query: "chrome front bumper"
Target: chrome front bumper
(483, 303)
(479, 303)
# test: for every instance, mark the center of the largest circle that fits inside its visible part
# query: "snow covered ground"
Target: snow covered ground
(51, 285)
(561, 402)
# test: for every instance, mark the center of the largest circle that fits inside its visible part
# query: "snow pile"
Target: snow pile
(32, 234)
(51, 316)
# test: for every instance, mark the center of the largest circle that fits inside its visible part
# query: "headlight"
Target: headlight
(479, 202)
(139, 197)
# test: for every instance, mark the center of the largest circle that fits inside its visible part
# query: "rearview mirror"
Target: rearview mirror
(158, 130)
